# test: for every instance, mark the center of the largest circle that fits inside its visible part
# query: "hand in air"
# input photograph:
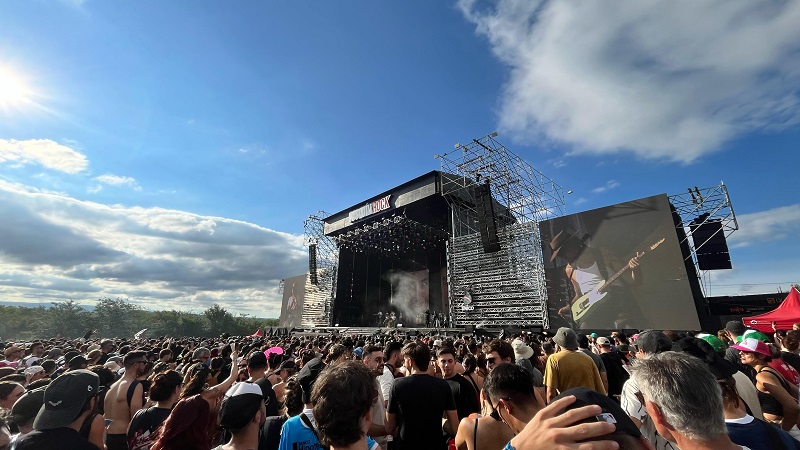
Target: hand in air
(550, 431)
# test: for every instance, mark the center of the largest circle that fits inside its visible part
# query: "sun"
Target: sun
(13, 91)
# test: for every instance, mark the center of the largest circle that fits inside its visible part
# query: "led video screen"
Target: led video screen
(617, 267)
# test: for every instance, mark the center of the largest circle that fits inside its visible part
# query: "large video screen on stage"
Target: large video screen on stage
(618, 267)
(294, 290)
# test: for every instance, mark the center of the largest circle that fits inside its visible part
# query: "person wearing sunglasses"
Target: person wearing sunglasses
(497, 352)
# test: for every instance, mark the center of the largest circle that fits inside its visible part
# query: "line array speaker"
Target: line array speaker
(486, 220)
(312, 263)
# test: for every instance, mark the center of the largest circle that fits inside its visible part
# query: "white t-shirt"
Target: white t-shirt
(635, 409)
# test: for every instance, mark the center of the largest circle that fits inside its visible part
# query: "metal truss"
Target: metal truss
(506, 287)
(319, 297)
(391, 237)
(700, 206)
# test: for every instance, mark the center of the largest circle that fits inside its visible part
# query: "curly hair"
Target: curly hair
(342, 396)
(293, 400)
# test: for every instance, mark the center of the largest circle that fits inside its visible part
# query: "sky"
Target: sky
(169, 152)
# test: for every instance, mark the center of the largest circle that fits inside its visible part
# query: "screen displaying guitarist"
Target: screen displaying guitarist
(602, 283)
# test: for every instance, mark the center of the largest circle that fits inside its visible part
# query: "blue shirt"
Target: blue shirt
(295, 435)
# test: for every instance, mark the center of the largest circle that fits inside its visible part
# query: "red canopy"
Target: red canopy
(258, 333)
(786, 315)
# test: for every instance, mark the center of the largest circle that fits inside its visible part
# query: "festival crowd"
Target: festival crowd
(659, 390)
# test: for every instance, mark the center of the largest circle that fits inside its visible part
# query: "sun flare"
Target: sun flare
(13, 91)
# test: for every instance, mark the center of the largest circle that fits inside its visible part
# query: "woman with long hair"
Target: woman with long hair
(777, 396)
(190, 426)
(166, 391)
(292, 406)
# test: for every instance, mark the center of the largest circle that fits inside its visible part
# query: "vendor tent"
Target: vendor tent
(786, 315)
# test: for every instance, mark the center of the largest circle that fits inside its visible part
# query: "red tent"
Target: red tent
(786, 315)
(258, 333)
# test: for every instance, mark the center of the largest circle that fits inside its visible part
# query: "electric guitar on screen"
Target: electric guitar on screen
(589, 299)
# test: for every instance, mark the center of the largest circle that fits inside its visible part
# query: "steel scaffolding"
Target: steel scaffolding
(506, 287)
(697, 207)
(319, 297)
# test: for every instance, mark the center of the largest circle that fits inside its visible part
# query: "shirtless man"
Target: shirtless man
(123, 399)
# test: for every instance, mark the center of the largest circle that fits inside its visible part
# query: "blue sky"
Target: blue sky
(170, 151)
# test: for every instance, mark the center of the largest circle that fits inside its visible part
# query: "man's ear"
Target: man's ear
(662, 426)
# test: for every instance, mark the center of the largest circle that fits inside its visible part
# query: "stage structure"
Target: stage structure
(321, 285)
(704, 219)
(495, 273)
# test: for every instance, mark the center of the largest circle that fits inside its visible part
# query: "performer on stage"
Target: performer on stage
(602, 298)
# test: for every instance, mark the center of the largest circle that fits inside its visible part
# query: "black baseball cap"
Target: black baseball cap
(64, 398)
(257, 360)
(308, 375)
(611, 412)
(27, 406)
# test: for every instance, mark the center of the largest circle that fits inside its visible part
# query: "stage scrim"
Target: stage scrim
(293, 297)
(595, 279)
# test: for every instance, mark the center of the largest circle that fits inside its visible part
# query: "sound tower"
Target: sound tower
(312, 263)
(710, 244)
(486, 223)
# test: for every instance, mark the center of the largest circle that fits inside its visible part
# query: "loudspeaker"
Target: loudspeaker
(710, 244)
(486, 222)
(312, 263)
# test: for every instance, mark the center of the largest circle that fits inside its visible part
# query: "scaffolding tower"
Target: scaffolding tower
(319, 296)
(506, 287)
(697, 207)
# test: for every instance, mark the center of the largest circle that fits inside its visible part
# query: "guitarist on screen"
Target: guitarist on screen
(598, 304)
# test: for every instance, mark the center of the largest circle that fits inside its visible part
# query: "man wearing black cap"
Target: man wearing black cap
(25, 409)
(68, 401)
(649, 343)
(285, 370)
(299, 432)
(257, 367)
(242, 413)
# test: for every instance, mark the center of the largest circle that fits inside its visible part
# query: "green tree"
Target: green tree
(219, 320)
(117, 318)
(67, 319)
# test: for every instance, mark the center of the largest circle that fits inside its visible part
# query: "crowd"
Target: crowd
(659, 390)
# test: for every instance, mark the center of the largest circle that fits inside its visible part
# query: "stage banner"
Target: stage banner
(294, 290)
(617, 267)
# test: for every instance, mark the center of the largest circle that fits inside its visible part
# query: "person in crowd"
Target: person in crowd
(569, 368)
(742, 427)
(419, 402)
(299, 431)
(189, 426)
(123, 399)
(470, 364)
(649, 343)
(37, 352)
(734, 331)
(790, 345)
(684, 401)
(242, 414)
(522, 357)
(165, 391)
(33, 374)
(464, 394)
(511, 396)
(13, 356)
(24, 412)
(583, 347)
(614, 362)
(344, 397)
(372, 356)
(270, 435)
(392, 360)
(778, 397)
(285, 370)
(337, 353)
(68, 401)
(10, 392)
(498, 351)
(107, 346)
(49, 367)
(257, 367)
(77, 362)
(201, 355)
(93, 357)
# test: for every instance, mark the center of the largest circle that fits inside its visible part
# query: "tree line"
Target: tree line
(120, 318)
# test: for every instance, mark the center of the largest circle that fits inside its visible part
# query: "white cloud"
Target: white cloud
(661, 79)
(610, 184)
(771, 225)
(116, 180)
(53, 246)
(44, 152)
